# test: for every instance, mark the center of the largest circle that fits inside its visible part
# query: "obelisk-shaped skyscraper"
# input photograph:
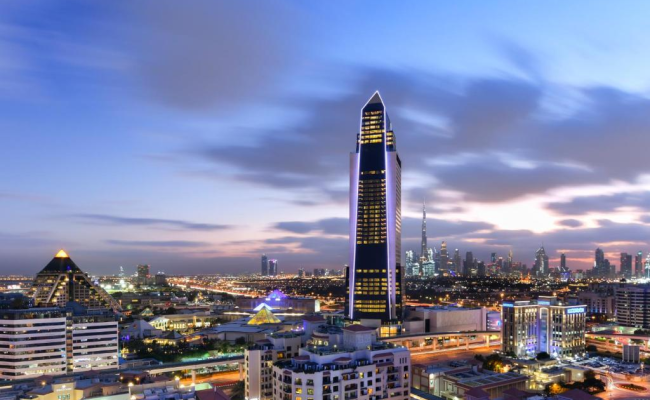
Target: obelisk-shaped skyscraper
(375, 274)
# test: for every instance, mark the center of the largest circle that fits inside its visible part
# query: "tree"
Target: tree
(240, 341)
(237, 391)
(591, 348)
(19, 303)
(493, 362)
(553, 389)
(543, 356)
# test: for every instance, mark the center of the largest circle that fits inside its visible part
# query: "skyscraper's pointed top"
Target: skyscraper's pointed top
(61, 254)
(375, 99)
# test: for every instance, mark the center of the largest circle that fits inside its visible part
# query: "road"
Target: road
(218, 378)
(429, 357)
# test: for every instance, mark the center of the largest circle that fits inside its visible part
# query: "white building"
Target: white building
(361, 368)
(544, 325)
(37, 342)
(632, 303)
(94, 342)
(445, 319)
(260, 358)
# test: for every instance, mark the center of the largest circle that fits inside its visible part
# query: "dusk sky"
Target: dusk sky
(197, 137)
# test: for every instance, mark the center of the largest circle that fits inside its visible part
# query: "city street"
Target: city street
(432, 357)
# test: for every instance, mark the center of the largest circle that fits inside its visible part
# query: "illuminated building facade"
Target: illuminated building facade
(530, 327)
(633, 306)
(375, 272)
(56, 341)
(423, 245)
(61, 281)
(265, 265)
(273, 267)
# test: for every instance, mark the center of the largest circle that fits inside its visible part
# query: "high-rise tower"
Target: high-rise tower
(265, 265)
(424, 255)
(375, 283)
(541, 262)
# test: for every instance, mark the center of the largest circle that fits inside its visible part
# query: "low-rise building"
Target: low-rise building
(445, 319)
(280, 302)
(183, 323)
(459, 379)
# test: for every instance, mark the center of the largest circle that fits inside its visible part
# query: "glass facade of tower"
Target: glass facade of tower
(375, 282)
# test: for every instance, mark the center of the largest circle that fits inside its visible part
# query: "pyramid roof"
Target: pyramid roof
(264, 316)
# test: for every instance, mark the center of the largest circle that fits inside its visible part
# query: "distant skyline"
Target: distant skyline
(194, 139)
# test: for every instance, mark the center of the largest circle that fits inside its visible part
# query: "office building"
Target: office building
(480, 269)
(376, 275)
(638, 265)
(61, 281)
(602, 266)
(563, 266)
(142, 271)
(633, 306)
(160, 279)
(56, 341)
(265, 265)
(423, 244)
(273, 267)
(468, 267)
(530, 327)
(626, 265)
(598, 302)
(541, 262)
(457, 261)
(351, 364)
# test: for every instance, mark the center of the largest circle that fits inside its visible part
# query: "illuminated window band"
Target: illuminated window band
(544, 303)
(507, 305)
(575, 310)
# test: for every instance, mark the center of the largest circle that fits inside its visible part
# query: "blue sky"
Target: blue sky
(195, 138)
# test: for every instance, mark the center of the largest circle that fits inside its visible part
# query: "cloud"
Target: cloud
(571, 223)
(213, 55)
(158, 243)
(331, 226)
(153, 222)
(602, 204)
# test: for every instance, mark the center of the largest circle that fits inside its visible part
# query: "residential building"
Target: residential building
(359, 367)
(260, 358)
